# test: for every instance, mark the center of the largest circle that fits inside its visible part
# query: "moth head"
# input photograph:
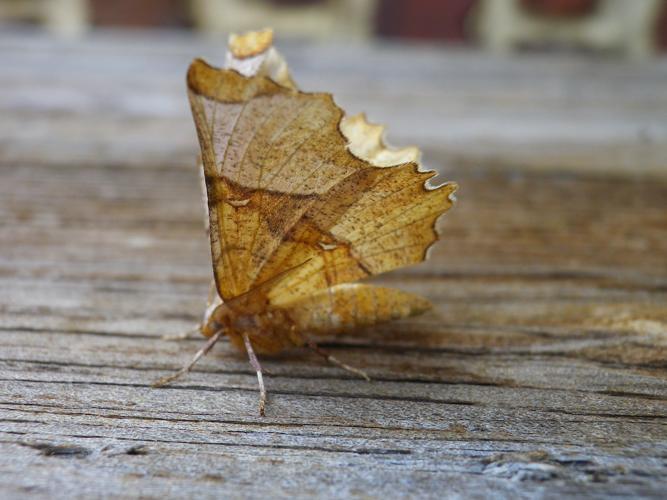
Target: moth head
(218, 316)
(253, 54)
(251, 43)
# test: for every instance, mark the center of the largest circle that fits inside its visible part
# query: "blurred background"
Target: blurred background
(636, 28)
(564, 84)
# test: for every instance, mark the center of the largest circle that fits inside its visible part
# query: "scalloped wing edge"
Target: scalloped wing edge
(355, 125)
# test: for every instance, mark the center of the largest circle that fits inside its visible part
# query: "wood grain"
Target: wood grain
(541, 373)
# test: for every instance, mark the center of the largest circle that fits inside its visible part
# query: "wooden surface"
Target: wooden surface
(542, 372)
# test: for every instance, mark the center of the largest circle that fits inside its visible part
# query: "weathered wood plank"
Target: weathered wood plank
(542, 371)
(466, 107)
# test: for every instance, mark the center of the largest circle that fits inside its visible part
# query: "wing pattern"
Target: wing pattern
(284, 191)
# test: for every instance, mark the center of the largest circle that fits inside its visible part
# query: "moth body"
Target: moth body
(270, 331)
(340, 309)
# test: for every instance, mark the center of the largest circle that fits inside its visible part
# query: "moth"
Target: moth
(303, 202)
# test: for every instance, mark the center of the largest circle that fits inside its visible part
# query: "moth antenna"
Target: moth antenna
(200, 353)
(254, 362)
(334, 361)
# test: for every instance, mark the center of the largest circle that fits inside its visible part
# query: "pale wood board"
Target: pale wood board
(541, 373)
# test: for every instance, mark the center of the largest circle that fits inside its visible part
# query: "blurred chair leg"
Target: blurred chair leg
(67, 18)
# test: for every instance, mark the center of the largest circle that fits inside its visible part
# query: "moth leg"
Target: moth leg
(334, 361)
(194, 333)
(254, 362)
(201, 352)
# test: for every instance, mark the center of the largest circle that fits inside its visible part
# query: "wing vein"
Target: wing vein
(378, 236)
(287, 230)
(221, 220)
(260, 210)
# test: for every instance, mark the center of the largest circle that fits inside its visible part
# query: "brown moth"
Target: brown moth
(303, 201)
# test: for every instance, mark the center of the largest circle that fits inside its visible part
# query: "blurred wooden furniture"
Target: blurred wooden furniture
(164, 14)
(425, 19)
(60, 17)
(541, 373)
(613, 25)
(312, 19)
